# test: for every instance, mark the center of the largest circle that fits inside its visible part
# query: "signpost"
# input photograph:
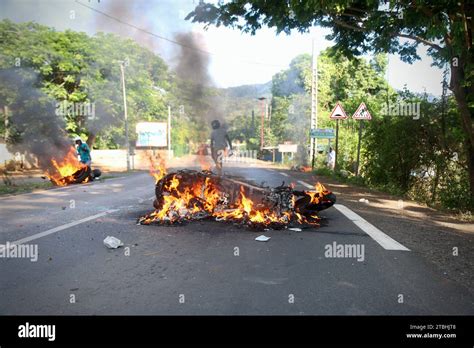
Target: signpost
(337, 114)
(362, 113)
(322, 133)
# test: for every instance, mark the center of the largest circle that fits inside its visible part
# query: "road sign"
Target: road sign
(362, 113)
(322, 133)
(338, 113)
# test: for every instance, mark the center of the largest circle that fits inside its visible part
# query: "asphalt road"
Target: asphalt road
(194, 269)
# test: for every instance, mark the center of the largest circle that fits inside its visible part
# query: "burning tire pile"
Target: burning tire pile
(188, 195)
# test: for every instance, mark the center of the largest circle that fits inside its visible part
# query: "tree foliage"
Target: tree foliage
(359, 26)
(73, 67)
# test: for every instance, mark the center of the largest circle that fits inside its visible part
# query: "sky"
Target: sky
(236, 58)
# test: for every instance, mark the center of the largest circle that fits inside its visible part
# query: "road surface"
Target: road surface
(205, 267)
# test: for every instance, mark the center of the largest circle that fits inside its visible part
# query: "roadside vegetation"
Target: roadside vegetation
(18, 188)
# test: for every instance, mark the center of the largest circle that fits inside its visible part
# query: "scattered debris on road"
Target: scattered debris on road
(262, 238)
(364, 200)
(112, 242)
(301, 168)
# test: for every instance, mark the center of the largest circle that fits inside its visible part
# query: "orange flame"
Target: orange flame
(204, 162)
(64, 170)
(316, 195)
(181, 203)
(157, 170)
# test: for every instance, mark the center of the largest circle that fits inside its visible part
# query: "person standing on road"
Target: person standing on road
(83, 151)
(331, 158)
(220, 142)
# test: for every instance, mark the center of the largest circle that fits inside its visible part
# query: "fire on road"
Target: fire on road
(192, 195)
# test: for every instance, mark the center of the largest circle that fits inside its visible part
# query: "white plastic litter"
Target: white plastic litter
(112, 242)
(364, 200)
(262, 238)
(295, 229)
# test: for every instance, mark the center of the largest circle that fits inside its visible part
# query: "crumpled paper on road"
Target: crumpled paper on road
(262, 238)
(112, 242)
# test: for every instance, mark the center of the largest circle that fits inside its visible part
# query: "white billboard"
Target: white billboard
(293, 148)
(151, 134)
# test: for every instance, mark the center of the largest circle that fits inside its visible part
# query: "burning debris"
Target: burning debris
(36, 130)
(192, 195)
(301, 168)
(70, 171)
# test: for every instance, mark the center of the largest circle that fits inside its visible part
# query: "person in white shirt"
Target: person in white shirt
(331, 158)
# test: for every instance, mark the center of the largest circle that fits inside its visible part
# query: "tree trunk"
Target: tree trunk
(91, 139)
(457, 76)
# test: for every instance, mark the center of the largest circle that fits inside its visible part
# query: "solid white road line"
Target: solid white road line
(385, 241)
(59, 228)
(305, 184)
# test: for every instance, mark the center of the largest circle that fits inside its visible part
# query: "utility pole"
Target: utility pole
(262, 99)
(5, 112)
(358, 148)
(125, 114)
(169, 132)
(314, 102)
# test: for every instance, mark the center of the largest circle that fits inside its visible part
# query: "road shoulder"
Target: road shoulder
(436, 236)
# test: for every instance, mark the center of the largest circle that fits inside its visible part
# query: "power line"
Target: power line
(170, 40)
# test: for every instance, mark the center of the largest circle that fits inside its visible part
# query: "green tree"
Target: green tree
(76, 68)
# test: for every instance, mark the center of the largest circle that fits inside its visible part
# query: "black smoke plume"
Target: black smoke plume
(33, 126)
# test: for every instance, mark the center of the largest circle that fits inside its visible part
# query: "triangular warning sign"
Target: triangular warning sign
(338, 113)
(362, 113)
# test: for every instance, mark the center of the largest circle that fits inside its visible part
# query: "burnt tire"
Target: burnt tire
(96, 173)
(305, 207)
(82, 174)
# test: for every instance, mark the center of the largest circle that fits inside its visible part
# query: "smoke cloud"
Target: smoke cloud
(186, 57)
(130, 12)
(192, 70)
(34, 126)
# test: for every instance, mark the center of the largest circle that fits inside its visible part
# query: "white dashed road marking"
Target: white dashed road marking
(59, 228)
(305, 184)
(385, 241)
(284, 174)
